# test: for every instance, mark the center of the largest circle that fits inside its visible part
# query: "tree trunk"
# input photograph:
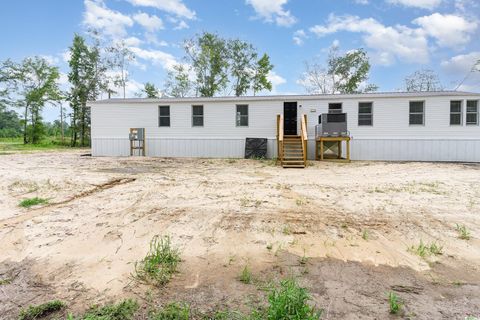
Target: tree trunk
(25, 117)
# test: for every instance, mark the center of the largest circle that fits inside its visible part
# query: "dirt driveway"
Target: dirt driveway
(349, 232)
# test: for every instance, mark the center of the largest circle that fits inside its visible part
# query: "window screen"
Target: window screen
(197, 116)
(242, 115)
(365, 114)
(417, 112)
(472, 112)
(164, 116)
(334, 108)
(455, 112)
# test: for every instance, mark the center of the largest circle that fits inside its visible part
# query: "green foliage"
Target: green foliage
(151, 91)
(349, 70)
(365, 235)
(242, 62)
(289, 301)
(173, 311)
(246, 275)
(260, 78)
(160, 263)
(124, 310)
(178, 82)
(394, 303)
(41, 310)
(463, 232)
(9, 123)
(423, 250)
(27, 203)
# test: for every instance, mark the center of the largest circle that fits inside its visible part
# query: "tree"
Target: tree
(119, 60)
(423, 80)
(346, 73)
(9, 123)
(86, 76)
(209, 57)
(178, 82)
(261, 71)
(242, 65)
(150, 90)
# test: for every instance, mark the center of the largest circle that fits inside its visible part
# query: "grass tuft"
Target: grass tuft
(365, 235)
(463, 232)
(423, 250)
(173, 311)
(27, 203)
(246, 275)
(394, 303)
(124, 310)
(160, 263)
(41, 310)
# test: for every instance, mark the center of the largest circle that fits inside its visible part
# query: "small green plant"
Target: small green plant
(173, 311)
(463, 232)
(124, 310)
(394, 303)
(27, 203)
(160, 263)
(286, 230)
(304, 259)
(301, 201)
(289, 301)
(423, 250)
(365, 235)
(41, 310)
(5, 281)
(246, 275)
(435, 249)
(269, 247)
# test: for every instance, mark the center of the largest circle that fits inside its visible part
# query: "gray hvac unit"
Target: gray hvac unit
(332, 125)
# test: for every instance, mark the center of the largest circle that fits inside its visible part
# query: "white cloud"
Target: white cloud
(176, 7)
(111, 23)
(132, 41)
(362, 2)
(276, 80)
(449, 30)
(156, 57)
(150, 23)
(273, 11)
(51, 60)
(423, 4)
(461, 64)
(299, 37)
(153, 39)
(389, 43)
(181, 25)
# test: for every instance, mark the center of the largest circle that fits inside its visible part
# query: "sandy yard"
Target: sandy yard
(343, 229)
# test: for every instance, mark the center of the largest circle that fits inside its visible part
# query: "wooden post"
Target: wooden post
(348, 149)
(321, 149)
(339, 149)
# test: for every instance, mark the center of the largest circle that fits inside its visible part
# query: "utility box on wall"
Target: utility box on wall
(137, 134)
(137, 141)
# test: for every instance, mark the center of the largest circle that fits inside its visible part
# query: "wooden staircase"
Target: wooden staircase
(292, 150)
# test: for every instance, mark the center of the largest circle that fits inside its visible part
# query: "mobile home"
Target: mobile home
(398, 126)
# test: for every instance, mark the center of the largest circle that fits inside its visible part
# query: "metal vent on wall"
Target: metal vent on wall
(255, 148)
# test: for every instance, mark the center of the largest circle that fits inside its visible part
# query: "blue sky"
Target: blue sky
(400, 36)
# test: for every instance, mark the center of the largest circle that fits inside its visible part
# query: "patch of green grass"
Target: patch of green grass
(160, 263)
(394, 303)
(16, 145)
(41, 310)
(423, 250)
(301, 201)
(365, 235)
(124, 310)
(246, 275)
(288, 301)
(463, 232)
(304, 259)
(173, 311)
(5, 281)
(286, 230)
(27, 203)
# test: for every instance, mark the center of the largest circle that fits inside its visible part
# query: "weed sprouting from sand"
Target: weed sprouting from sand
(41, 310)
(27, 203)
(304, 259)
(173, 311)
(365, 235)
(124, 310)
(246, 275)
(269, 247)
(463, 232)
(160, 263)
(288, 301)
(394, 303)
(423, 250)
(286, 230)
(301, 201)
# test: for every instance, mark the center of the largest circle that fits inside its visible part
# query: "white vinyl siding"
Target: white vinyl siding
(472, 112)
(417, 113)
(455, 112)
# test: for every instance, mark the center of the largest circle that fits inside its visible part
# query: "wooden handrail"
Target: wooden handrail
(304, 135)
(280, 138)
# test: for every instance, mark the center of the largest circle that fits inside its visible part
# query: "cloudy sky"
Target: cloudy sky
(400, 36)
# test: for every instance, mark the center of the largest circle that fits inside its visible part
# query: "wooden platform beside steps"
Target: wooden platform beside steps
(292, 149)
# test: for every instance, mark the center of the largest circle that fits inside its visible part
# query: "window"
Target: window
(164, 116)
(334, 108)
(472, 112)
(456, 112)
(242, 115)
(197, 116)
(417, 112)
(365, 114)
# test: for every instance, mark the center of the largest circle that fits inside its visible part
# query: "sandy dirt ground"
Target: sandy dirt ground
(343, 229)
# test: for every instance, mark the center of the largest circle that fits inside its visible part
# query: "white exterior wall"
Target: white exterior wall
(390, 138)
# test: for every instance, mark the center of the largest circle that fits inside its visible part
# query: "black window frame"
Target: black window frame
(456, 114)
(198, 116)
(164, 116)
(469, 123)
(416, 113)
(330, 104)
(364, 114)
(239, 116)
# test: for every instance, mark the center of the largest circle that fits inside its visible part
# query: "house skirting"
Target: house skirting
(463, 150)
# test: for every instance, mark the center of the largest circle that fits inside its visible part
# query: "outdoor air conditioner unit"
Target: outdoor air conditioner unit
(332, 125)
